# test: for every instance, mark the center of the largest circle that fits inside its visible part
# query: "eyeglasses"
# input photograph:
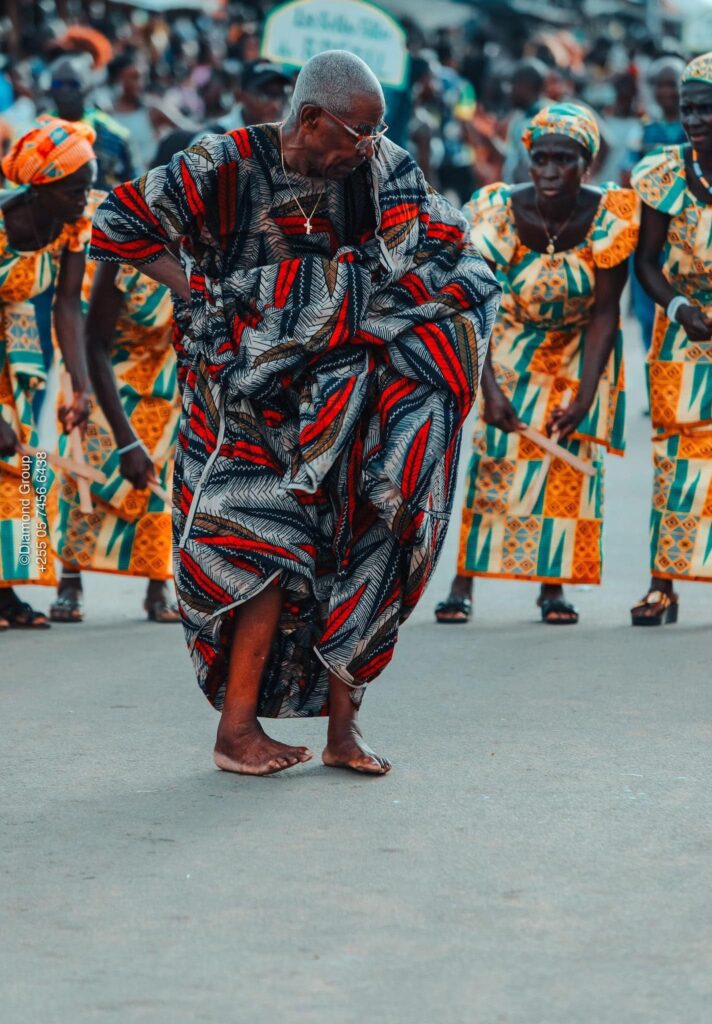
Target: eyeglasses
(363, 139)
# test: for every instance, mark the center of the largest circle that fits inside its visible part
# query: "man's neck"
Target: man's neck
(294, 153)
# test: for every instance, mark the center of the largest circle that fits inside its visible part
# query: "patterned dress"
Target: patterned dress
(519, 520)
(680, 377)
(325, 380)
(129, 531)
(25, 495)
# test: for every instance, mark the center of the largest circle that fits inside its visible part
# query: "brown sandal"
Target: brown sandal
(667, 605)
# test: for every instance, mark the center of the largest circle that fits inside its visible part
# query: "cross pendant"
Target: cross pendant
(307, 225)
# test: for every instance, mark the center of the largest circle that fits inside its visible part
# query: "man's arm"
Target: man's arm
(167, 270)
(141, 219)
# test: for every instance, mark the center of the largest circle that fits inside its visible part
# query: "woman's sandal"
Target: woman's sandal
(23, 616)
(556, 606)
(160, 611)
(67, 607)
(667, 605)
(454, 605)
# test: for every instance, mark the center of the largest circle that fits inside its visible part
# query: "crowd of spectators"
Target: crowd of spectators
(151, 83)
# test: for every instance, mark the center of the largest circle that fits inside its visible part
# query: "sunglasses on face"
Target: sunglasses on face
(365, 135)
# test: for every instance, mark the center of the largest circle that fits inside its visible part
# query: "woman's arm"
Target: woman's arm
(69, 325)
(653, 233)
(597, 347)
(497, 410)
(104, 308)
(8, 439)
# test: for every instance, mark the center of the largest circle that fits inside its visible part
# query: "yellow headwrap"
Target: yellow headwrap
(699, 69)
(568, 119)
(49, 152)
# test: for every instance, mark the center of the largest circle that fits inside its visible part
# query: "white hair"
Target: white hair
(331, 80)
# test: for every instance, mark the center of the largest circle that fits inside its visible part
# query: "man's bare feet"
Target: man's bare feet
(248, 750)
(346, 748)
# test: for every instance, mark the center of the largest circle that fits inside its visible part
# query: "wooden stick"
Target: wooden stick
(539, 480)
(548, 445)
(76, 450)
(80, 469)
(535, 488)
(154, 486)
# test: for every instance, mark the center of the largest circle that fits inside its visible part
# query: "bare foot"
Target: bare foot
(248, 750)
(346, 748)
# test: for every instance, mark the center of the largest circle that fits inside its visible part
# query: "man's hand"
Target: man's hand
(499, 411)
(563, 421)
(76, 414)
(697, 326)
(136, 467)
(8, 439)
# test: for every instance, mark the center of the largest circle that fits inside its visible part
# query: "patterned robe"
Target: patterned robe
(325, 380)
(26, 495)
(522, 520)
(680, 378)
(129, 531)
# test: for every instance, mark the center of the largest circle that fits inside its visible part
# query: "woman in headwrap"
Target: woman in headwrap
(559, 249)
(43, 236)
(674, 265)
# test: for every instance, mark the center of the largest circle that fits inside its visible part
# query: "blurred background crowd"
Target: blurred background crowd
(152, 75)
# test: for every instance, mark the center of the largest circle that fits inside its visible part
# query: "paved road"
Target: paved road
(539, 855)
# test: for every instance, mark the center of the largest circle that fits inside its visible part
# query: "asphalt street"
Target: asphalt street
(540, 853)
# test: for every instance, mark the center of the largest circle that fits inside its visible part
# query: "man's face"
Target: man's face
(68, 92)
(331, 148)
(265, 103)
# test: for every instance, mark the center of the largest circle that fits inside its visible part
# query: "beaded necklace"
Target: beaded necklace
(698, 171)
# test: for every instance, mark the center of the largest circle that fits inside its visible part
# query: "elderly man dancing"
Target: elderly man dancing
(332, 321)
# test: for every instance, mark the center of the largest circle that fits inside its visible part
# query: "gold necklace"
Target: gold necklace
(552, 238)
(307, 220)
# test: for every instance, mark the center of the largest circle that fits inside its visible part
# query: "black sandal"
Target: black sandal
(454, 605)
(21, 615)
(67, 606)
(557, 606)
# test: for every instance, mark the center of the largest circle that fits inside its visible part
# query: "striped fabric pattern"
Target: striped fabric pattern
(325, 380)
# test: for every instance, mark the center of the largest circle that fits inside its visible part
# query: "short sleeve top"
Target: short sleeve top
(544, 290)
(660, 180)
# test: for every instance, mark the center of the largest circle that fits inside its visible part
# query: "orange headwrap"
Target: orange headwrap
(52, 150)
